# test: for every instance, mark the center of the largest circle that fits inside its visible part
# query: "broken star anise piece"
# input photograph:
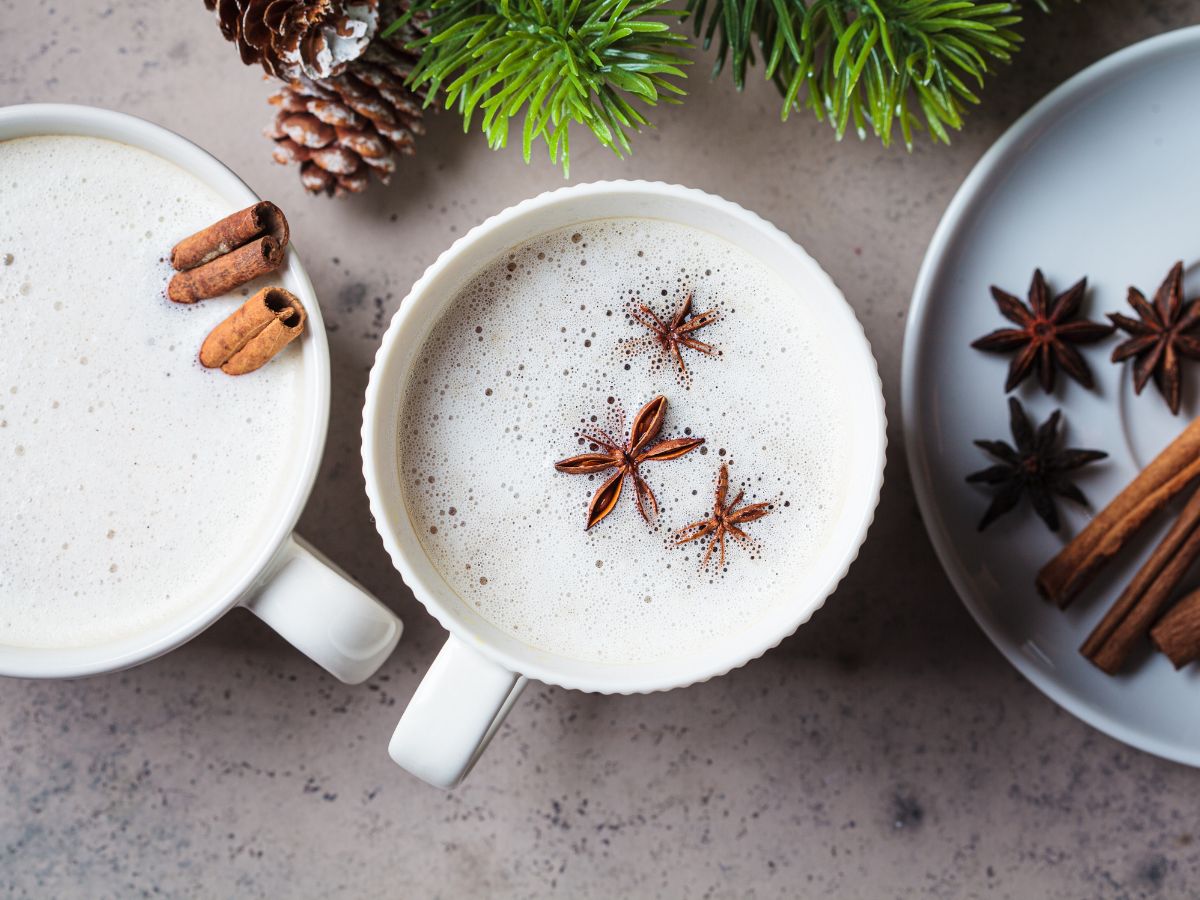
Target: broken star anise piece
(1045, 334)
(626, 458)
(724, 521)
(1037, 467)
(677, 333)
(1159, 336)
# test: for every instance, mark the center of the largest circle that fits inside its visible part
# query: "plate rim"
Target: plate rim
(1042, 114)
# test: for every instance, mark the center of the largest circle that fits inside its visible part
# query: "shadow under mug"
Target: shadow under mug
(481, 670)
(280, 578)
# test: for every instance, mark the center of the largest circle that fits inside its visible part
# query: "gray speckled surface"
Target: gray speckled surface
(884, 751)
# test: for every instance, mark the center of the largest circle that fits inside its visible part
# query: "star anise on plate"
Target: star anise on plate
(627, 457)
(1037, 467)
(724, 521)
(1159, 336)
(679, 331)
(1046, 330)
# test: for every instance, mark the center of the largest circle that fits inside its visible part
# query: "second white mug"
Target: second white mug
(481, 670)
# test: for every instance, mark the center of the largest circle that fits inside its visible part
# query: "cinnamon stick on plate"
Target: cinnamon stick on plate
(1143, 600)
(1068, 573)
(254, 332)
(229, 253)
(1177, 634)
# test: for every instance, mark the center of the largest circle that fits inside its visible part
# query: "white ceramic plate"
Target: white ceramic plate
(1102, 178)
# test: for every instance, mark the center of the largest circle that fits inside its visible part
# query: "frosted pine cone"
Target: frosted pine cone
(298, 38)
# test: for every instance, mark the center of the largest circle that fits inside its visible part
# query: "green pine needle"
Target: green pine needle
(548, 63)
(879, 64)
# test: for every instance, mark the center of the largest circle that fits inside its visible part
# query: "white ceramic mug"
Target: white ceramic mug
(481, 670)
(293, 588)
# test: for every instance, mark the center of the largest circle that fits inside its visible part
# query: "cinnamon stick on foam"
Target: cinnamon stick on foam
(226, 272)
(230, 233)
(254, 332)
(228, 253)
(1140, 604)
(1177, 634)
(1068, 573)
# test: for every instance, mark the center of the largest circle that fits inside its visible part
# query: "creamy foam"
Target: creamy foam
(538, 344)
(135, 481)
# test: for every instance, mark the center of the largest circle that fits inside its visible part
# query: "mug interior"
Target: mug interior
(252, 566)
(560, 209)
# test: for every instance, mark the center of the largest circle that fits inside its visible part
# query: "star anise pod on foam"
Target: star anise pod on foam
(724, 521)
(1037, 466)
(1159, 336)
(1046, 331)
(677, 333)
(626, 458)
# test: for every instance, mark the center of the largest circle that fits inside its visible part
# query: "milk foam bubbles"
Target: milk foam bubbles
(134, 481)
(539, 346)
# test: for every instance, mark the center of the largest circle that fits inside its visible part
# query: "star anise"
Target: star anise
(1046, 331)
(724, 521)
(626, 458)
(1159, 336)
(677, 333)
(1037, 466)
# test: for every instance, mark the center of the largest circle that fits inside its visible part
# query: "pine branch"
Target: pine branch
(553, 62)
(877, 63)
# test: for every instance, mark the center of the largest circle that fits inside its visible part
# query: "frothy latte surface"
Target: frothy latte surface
(540, 346)
(135, 481)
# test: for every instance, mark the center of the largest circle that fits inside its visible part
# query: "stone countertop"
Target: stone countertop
(886, 750)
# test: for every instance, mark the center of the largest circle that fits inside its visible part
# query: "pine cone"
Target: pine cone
(342, 128)
(298, 38)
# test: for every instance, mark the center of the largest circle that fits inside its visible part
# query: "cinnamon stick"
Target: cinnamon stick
(230, 233)
(255, 332)
(1143, 600)
(223, 274)
(1177, 634)
(1068, 573)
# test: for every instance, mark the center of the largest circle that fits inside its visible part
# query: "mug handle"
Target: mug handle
(325, 614)
(456, 710)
